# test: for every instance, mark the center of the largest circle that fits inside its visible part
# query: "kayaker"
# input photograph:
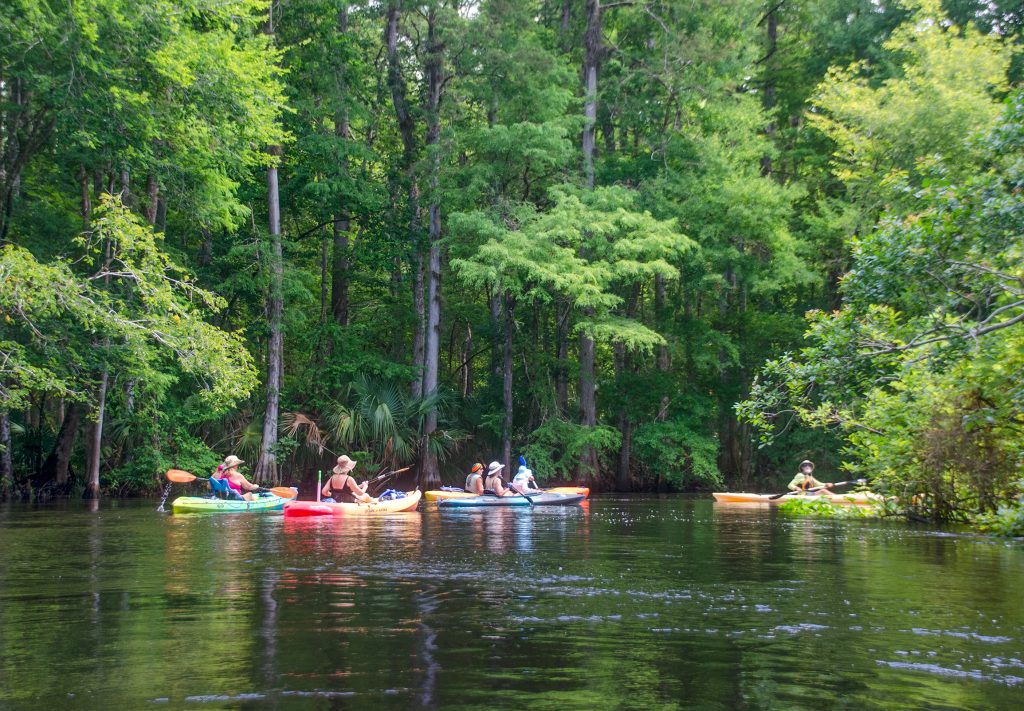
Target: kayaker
(523, 480)
(805, 480)
(493, 483)
(237, 483)
(475, 480)
(342, 488)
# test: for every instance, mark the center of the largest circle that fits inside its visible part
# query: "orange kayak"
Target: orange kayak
(442, 494)
(861, 498)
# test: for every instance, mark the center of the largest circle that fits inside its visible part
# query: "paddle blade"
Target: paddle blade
(284, 492)
(180, 477)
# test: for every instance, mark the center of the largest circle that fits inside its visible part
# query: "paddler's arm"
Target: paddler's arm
(359, 491)
(246, 484)
(794, 485)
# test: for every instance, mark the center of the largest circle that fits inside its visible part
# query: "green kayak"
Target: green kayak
(206, 504)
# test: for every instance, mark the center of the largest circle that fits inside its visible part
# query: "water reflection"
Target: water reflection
(638, 603)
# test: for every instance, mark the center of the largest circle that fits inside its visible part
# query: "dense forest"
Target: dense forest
(650, 244)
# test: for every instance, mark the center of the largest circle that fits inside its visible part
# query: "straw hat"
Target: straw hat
(494, 468)
(345, 465)
(231, 461)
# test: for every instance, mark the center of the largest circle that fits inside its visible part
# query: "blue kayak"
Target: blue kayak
(547, 499)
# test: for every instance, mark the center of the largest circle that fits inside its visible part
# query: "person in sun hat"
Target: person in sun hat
(493, 482)
(342, 487)
(236, 482)
(805, 480)
(475, 480)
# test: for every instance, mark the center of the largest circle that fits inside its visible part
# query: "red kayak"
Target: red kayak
(322, 508)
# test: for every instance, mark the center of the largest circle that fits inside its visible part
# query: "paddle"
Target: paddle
(515, 488)
(182, 477)
(818, 488)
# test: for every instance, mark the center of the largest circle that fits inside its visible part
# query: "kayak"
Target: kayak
(861, 498)
(545, 499)
(206, 504)
(323, 508)
(442, 494)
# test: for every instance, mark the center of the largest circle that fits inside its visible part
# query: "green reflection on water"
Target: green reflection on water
(625, 603)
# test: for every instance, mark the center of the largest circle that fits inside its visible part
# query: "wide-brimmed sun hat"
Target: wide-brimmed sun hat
(807, 462)
(494, 468)
(345, 465)
(231, 461)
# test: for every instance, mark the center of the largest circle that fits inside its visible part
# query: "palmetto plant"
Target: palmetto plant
(377, 416)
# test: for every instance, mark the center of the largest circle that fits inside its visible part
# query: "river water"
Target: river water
(627, 602)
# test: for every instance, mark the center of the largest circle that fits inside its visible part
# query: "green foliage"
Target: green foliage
(678, 454)
(553, 449)
(945, 92)
(922, 367)
(1007, 520)
(821, 507)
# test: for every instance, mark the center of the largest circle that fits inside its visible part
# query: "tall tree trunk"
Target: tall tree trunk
(661, 357)
(325, 274)
(94, 446)
(407, 129)
(772, 44)
(342, 218)
(592, 48)
(429, 472)
(6, 463)
(506, 384)
(419, 325)
(563, 310)
(266, 467)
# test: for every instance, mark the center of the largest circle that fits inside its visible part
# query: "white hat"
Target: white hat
(493, 468)
(231, 461)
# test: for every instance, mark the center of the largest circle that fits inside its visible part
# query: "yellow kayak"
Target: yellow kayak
(442, 494)
(861, 498)
(323, 508)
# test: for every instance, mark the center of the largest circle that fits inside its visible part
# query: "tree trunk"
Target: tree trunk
(562, 313)
(429, 473)
(325, 273)
(6, 463)
(662, 358)
(772, 26)
(506, 385)
(407, 129)
(342, 218)
(152, 190)
(57, 466)
(591, 58)
(266, 467)
(418, 332)
(592, 45)
(94, 448)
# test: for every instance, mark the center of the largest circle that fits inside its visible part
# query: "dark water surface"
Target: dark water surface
(624, 603)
